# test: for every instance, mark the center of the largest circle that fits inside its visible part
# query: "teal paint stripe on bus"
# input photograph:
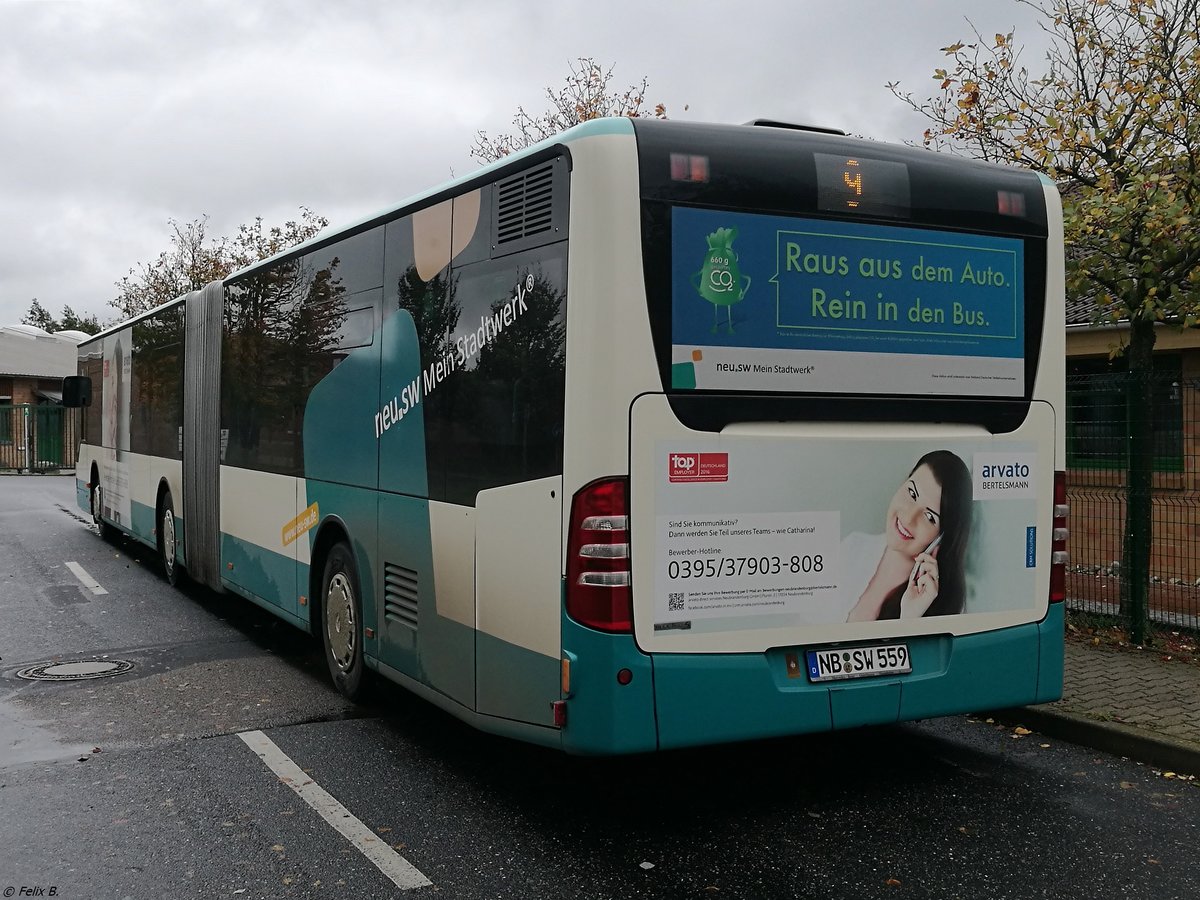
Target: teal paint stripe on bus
(142, 522)
(604, 716)
(1050, 665)
(981, 671)
(518, 681)
(711, 698)
(271, 577)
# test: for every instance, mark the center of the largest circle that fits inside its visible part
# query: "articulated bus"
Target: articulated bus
(656, 434)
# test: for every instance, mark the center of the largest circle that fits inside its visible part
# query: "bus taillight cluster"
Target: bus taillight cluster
(1058, 546)
(598, 574)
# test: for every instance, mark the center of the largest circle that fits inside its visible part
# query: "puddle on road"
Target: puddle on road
(22, 740)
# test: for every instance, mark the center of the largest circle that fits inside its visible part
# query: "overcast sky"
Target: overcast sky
(116, 117)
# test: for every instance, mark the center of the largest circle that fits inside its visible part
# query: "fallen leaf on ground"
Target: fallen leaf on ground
(893, 882)
(278, 848)
(1021, 731)
(1126, 785)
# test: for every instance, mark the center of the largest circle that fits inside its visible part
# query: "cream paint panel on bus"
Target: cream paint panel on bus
(266, 509)
(1054, 337)
(452, 533)
(518, 580)
(148, 472)
(145, 474)
(606, 309)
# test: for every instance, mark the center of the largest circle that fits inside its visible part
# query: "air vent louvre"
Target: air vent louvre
(525, 205)
(400, 594)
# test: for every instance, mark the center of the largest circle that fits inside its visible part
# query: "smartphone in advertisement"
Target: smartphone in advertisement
(912, 576)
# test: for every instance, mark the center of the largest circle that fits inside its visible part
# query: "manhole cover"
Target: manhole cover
(76, 671)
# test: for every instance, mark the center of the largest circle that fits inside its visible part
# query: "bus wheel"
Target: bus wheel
(341, 621)
(96, 499)
(166, 539)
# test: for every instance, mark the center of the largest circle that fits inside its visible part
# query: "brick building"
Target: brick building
(35, 431)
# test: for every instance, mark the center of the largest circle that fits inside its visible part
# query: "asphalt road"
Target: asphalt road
(154, 784)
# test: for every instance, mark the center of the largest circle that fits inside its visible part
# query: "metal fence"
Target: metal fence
(1100, 469)
(38, 437)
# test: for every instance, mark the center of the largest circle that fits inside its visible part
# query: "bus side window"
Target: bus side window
(504, 404)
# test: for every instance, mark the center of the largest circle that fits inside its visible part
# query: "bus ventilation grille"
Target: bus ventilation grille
(525, 205)
(400, 594)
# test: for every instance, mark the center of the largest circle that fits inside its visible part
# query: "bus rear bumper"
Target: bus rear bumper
(701, 699)
(684, 700)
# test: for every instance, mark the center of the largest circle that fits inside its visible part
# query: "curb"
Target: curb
(1157, 750)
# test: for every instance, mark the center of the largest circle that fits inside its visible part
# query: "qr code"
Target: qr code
(674, 602)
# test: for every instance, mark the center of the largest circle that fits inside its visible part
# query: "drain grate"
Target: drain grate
(77, 670)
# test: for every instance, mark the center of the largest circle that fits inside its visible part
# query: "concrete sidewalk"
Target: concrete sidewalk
(1125, 701)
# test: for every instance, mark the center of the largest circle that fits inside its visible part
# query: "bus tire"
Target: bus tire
(167, 543)
(341, 621)
(96, 499)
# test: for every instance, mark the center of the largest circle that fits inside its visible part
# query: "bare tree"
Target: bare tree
(194, 259)
(587, 94)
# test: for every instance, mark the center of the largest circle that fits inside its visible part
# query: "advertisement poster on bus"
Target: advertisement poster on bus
(114, 426)
(774, 303)
(843, 531)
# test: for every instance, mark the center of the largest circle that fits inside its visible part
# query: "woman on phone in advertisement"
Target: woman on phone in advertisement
(920, 571)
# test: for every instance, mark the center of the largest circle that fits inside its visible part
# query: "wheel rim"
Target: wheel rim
(96, 505)
(168, 540)
(339, 620)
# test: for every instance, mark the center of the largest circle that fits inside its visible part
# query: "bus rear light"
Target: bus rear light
(1010, 203)
(598, 574)
(1058, 540)
(605, 579)
(605, 551)
(605, 523)
(689, 167)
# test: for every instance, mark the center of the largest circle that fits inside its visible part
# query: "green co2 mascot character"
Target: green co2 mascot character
(719, 281)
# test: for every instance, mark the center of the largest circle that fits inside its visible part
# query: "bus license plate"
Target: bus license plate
(858, 662)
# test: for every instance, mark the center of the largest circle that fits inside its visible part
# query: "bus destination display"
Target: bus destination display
(855, 184)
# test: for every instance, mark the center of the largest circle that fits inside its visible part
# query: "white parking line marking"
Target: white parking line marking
(403, 874)
(87, 580)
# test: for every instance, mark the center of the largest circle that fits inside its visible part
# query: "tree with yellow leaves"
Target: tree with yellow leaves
(1114, 119)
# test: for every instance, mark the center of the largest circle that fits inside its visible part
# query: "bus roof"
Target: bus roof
(609, 125)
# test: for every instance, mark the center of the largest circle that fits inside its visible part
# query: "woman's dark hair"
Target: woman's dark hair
(952, 474)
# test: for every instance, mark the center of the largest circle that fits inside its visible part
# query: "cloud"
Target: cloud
(119, 116)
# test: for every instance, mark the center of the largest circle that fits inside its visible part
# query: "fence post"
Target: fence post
(1135, 570)
(27, 434)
